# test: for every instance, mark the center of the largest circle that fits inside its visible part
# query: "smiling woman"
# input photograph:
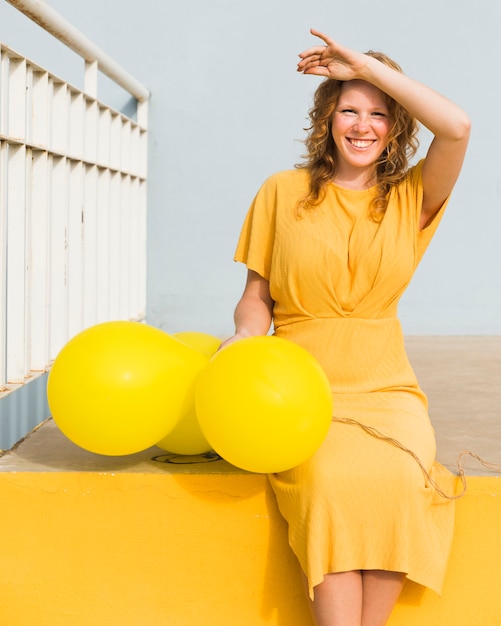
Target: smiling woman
(330, 247)
(391, 164)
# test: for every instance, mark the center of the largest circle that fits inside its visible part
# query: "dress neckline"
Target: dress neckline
(371, 189)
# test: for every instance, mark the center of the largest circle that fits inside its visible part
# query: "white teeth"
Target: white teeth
(361, 143)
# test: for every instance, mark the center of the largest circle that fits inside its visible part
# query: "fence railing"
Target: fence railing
(73, 187)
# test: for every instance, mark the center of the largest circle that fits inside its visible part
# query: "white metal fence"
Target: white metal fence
(73, 176)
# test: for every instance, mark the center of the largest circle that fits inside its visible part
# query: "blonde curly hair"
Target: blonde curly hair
(320, 159)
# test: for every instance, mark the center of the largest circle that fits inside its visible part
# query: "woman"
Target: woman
(330, 248)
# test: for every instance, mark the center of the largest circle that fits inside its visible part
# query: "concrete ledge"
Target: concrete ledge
(129, 541)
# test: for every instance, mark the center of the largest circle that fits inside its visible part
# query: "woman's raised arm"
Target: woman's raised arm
(449, 124)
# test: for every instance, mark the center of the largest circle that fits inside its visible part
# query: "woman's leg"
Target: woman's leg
(356, 598)
(380, 590)
(338, 600)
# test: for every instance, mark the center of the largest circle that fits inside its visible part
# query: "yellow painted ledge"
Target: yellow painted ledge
(200, 546)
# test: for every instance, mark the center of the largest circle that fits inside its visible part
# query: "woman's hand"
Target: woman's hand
(254, 311)
(230, 340)
(332, 60)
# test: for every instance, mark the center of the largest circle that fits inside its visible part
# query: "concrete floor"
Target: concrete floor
(461, 376)
(462, 379)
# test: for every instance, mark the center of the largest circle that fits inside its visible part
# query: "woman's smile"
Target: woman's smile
(361, 124)
(361, 143)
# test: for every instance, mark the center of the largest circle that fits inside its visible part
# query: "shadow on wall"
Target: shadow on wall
(22, 410)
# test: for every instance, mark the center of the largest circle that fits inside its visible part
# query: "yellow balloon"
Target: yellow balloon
(264, 404)
(207, 344)
(119, 387)
(187, 437)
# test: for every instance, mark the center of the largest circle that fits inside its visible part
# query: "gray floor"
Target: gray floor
(461, 376)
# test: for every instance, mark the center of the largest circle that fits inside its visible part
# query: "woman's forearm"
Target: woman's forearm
(441, 116)
(252, 317)
(254, 312)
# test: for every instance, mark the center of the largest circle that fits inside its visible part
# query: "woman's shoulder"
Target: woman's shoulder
(288, 179)
(291, 176)
(406, 196)
(414, 173)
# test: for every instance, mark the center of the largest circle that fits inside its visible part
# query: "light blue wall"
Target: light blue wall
(228, 109)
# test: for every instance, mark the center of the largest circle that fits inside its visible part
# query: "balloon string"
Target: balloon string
(374, 432)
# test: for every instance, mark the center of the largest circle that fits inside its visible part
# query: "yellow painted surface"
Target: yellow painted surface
(90, 540)
(86, 549)
(187, 549)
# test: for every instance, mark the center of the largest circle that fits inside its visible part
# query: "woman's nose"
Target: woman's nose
(362, 124)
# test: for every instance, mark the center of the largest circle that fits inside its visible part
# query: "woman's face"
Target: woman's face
(361, 124)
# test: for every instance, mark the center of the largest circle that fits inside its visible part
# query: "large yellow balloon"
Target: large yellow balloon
(264, 404)
(187, 437)
(119, 387)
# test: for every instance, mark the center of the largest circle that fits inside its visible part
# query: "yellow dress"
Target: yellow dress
(336, 276)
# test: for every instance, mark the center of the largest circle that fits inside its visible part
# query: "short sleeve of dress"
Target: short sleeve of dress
(255, 245)
(424, 236)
